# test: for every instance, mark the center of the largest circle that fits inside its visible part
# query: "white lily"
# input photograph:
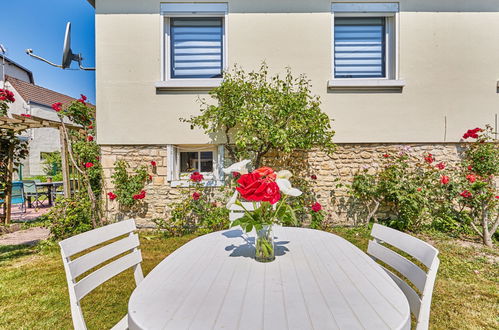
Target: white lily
(232, 200)
(237, 167)
(285, 187)
(284, 174)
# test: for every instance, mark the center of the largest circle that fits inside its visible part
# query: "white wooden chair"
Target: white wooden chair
(80, 265)
(237, 211)
(423, 280)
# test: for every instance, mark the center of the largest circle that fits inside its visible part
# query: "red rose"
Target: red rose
(90, 127)
(497, 197)
(150, 177)
(470, 168)
(153, 163)
(466, 194)
(316, 207)
(57, 106)
(142, 195)
(236, 174)
(196, 177)
(386, 155)
(89, 164)
(444, 179)
(196, 196)
(440, 166)
(419, 189)
(83, 97)
(472, 133)
(25, 115)
(6, 95)
(313, 177)
(429, 158)
(111, 195)
(471, 178)
(255, 188)
(266, 173)
(90, 138)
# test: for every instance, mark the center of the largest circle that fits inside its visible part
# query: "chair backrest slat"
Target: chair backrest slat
(420, 250)
(411, 295)
(90, 260)
(237, 211)
(86, 240)
(407, 268)
(93, 280)
(422, 280)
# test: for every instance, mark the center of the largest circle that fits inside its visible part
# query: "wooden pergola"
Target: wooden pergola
(18, 124)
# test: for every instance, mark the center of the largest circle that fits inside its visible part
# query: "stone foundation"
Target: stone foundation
(333, 174)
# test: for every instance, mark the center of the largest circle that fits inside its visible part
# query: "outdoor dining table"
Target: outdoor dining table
(317, 281)
(51, 188)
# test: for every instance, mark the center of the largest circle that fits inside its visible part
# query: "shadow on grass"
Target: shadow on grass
(11, 252)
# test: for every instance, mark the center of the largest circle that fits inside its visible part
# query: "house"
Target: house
(390, 73)
(36, 101)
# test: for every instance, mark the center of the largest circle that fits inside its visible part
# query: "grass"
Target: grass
(33, 293)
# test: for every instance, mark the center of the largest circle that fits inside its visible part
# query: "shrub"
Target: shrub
(129, 188)
(69, 216)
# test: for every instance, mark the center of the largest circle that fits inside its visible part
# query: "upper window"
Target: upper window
(364, 40)
(359, 47)
(195, 43)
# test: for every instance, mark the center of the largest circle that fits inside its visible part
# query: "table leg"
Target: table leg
(29, 202)
(49, 193)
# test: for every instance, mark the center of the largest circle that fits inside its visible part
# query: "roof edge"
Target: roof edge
(92, 3)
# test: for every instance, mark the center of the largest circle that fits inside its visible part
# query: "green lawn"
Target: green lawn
(33, 292)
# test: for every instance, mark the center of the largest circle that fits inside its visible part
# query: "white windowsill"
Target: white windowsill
(188, 84)
(366, 84)
(187, 183)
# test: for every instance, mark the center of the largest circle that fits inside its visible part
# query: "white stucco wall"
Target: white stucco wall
(448, 56)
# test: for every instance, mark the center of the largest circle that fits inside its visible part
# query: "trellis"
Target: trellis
(19, 123)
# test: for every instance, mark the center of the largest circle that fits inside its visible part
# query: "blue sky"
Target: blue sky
(40, 25)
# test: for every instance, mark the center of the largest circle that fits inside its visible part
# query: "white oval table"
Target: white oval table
(318, 281)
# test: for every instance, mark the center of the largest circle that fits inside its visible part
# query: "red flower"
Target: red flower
(470, 168)
(153, 163)
(472, 133)
(253, 187)
(497, 197)
(196, 196)
(82, 99)
(440, 166)
(25, 115)
(89, 164)
(6, 95)
(429, 158)
(90, 127)
(471, 178)
(419, 189)
(196, 177)
(313, 177)
(466, 194)
(316, 207)
(236, 174)
(386, 155)
(150, 177)
(57, 106)
(90, 138)
(142, 195)
(112, 195)
(444, 179)
(266, 173)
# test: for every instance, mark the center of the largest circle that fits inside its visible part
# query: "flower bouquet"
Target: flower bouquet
(267, 191)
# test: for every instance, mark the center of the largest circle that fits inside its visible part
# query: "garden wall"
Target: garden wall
(332, 175)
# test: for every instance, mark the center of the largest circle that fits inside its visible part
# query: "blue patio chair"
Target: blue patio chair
(17, 195)
(32, 194)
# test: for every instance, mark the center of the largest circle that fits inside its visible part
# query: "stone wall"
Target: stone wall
(332, 175)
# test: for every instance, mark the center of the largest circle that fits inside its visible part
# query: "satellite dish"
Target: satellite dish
(67, 54)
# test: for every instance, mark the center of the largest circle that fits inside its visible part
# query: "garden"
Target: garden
(452, 205)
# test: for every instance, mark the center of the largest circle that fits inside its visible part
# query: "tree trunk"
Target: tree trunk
(373, 212)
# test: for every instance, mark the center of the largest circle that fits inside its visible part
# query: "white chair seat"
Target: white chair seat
(122, 324)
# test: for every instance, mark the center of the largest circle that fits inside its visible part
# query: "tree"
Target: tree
(258, 113)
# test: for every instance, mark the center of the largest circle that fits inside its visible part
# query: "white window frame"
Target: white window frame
(196, 10)
(389, 11)
(210, 179)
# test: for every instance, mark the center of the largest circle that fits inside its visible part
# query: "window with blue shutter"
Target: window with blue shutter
(196, 48)
(359, 47)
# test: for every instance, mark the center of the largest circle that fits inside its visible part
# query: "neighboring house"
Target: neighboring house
(36, 101)
(388, 72)
(13, 69)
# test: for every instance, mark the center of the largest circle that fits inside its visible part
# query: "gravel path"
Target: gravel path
(24, 237)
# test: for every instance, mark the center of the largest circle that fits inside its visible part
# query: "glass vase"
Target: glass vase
(264, 244)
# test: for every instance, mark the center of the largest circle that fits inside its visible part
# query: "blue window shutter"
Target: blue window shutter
(359, 47)
(196, 47)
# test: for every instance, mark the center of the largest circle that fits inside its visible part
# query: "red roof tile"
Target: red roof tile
(33, 93)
